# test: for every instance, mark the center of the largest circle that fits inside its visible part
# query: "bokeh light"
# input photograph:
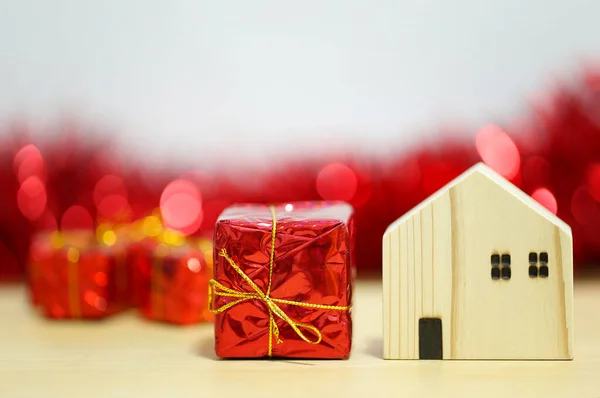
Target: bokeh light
(90, 297)
(28, 162)
(151, 226)
(173, 237)
(546, 199)
(498, 151)
(100, 279)
(31, 198)
(110, 197)
(100, 303)
(194, 264)
(109, 238)
(73, 254)
(57, 311)
(584, 208)
(113, 206)
(336, 181)
(181, 206)
(76, 217)
(109, 185)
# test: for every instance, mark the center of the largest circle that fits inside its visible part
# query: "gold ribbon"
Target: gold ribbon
(73, 282)
(156, 285)
(218, 289)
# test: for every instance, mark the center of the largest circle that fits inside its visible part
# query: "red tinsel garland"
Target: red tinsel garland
(553, 156)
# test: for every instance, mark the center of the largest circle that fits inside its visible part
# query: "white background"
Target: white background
(186, 80)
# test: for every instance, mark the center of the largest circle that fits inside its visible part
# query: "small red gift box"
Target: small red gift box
(173, 284)
(139, 263)
(72, 276)
(283, 281)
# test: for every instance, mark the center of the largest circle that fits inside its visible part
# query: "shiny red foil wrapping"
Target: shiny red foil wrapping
(313, 263)
(139, 264)
(74, 280)
(175, 288)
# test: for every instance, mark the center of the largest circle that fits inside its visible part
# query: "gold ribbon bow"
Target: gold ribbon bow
(218, 289)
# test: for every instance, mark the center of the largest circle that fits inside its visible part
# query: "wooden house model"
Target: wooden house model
(479, 270)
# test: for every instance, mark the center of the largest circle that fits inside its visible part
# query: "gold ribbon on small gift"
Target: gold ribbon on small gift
(77, 242)
(156, 284)
(73, 282)
(217, 289)
(58, 243)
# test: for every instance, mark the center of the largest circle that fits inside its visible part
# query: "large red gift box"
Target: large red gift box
(283, 279)
(71, 275)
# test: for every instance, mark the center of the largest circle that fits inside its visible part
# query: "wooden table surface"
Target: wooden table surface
(130, 357)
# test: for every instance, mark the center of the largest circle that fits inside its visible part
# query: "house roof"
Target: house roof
(485, 170)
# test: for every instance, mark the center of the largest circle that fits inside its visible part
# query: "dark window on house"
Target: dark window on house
(495, 260)
(534, 270)
(500, 266)
(533, 258)
(495, 273)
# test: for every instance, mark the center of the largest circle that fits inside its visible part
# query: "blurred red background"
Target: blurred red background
(73, 182)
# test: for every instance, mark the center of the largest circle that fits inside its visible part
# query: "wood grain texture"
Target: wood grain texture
(445, 272)
(126, 356)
